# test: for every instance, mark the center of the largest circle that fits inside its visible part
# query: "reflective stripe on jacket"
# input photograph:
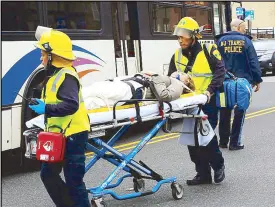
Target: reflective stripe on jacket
(200, 71)
(77, 122)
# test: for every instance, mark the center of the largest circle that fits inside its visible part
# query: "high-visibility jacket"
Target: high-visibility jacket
(200, 71)
(75, 123)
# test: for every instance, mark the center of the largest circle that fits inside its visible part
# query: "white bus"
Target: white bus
(109, 38)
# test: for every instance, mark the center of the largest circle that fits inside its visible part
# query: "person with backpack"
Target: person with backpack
(204, 64)
(241, 60)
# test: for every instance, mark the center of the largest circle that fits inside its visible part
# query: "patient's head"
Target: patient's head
(186, 79)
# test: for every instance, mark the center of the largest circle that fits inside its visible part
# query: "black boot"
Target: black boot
(236, 147)
(219, 175)
(223, 145)
(197, 180)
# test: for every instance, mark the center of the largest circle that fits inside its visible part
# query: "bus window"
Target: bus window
(223, 18)
(202, 16)
(74, 15)
(165, 17)
(197, 3)
(216, 19)
(117, 38)
(19, 16)
(130, 43)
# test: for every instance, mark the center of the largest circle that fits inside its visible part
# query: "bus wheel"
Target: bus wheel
(30, 165)
(33, 90)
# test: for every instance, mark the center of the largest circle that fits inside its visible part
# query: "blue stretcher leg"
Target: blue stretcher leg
(99, 190)
(113, 185)
(138, 194)
(121, 156)
(111, 142)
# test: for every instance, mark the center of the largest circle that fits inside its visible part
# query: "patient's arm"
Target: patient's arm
(168, 89)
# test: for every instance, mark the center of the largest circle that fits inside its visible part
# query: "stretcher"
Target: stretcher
(123, 117)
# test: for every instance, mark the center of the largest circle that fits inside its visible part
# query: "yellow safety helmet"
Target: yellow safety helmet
(55, 42)
(187, 27)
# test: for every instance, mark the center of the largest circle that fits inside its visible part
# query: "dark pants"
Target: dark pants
(73, 191)
(210, 155)
(237, 126)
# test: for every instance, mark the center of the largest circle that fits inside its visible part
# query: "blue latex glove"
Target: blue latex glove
(39, 108)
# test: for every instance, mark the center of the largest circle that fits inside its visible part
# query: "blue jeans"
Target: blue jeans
(210, 155)
(224, 127)
(71, 193)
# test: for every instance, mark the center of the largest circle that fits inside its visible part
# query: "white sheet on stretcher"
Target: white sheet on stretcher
(145, 111)
(107, 93)
(149, 111)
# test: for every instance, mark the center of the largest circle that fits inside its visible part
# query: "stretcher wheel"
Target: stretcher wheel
(98, 203)
(167, 127)
(139, 185)
(177, 191)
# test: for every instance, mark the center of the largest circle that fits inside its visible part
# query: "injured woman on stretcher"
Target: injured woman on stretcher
(141, 86)
(100, 97)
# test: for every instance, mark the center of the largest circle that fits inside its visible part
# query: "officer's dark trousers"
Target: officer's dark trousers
(210, 155)
(73, 191)
(237, 126)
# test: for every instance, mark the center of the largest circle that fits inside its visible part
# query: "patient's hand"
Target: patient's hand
(147, 73)
(191, 84)
(207, 93)
(186, 79)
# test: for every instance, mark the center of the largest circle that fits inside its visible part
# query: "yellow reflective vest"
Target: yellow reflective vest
(200, 72)
(75, 123)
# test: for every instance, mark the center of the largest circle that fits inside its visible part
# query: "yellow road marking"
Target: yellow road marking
(130, 143)
(90, 154)
(164, 137)
(257, 112)
(260, 114)
(152, 142)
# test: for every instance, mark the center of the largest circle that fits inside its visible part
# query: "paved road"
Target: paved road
(250, 173)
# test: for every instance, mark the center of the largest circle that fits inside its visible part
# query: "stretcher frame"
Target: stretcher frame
(125, 161)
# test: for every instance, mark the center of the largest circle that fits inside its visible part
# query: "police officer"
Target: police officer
(62, 104)
(240, 58)
(194, 59)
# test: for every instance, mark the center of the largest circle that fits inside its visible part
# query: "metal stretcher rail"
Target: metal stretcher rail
(170, 114)
(139, 171)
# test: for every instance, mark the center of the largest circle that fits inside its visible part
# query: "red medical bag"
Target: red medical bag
(50, 146)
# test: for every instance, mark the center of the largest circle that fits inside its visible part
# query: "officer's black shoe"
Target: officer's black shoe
(236, 147)
(219, 175)
(197, 180)
(223, 145)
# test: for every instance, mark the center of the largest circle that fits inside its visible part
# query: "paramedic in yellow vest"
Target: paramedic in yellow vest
(208, 76)
(61, 103)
